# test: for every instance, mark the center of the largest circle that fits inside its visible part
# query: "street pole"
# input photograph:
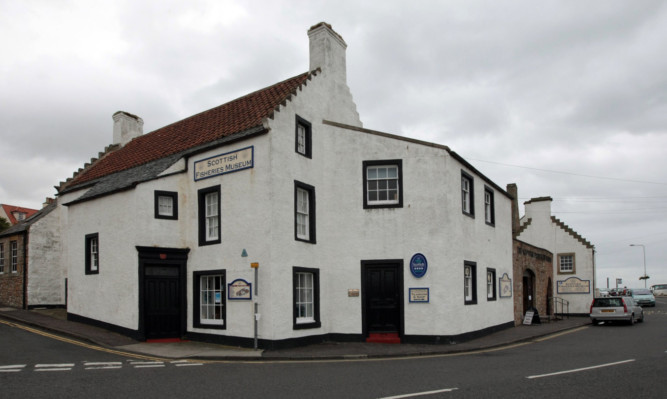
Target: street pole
(645, 277)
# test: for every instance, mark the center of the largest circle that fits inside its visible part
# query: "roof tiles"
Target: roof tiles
(235, 116)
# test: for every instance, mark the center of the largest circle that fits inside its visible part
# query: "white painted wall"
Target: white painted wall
(46, 271)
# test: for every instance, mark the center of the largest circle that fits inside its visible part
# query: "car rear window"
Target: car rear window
(608, 302)
(641, 292)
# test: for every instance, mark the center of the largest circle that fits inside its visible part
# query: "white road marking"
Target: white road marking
(412, 395)
(55, 365)
(102, 365)
(185, 363)
(12, 368)
(581, 369)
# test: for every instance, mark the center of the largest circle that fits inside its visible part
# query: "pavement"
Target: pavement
(55, 321)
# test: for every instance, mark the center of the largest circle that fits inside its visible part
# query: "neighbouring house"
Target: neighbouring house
(32, 273)
(568, 286)
(15, 214)
(278, 217)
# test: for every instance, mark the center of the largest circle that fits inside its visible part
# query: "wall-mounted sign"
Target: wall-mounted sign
(505, 284)
(419, 295)
(418, 265)
(225, 163)
(239, 290)
(353, 292)
(574, 285)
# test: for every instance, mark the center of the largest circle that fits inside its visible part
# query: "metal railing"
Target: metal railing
(564, 306)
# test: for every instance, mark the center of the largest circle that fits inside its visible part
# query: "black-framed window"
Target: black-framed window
(470, 282)
(489, 207)
(303, 137)
(209, 215)
(166, 205)
(467, 194)
(304, 212)
(92, 253)
(209, 299)
(490, 284)
(383, 183)
(306, 298)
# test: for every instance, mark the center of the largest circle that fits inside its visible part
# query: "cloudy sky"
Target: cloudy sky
(567, 99)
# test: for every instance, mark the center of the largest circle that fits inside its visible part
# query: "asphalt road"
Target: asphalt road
(594, 362)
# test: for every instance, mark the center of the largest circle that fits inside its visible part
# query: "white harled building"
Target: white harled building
(280, 208)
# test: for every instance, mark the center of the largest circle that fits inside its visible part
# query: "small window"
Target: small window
(489, 207)
(14, 253)
(491, 284)
(470, 283)
(166, 205)
(303, 137)
(210, 299)
(209, 216)
(2, 258)
(566, 263)
(304, 212)
(92, 254)
(306, 298)
(467, 194)
(383, 185)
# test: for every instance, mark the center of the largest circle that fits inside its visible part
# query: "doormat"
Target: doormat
(383, 338)
(165, 340)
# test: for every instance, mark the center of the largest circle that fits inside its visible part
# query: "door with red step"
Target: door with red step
(382, 298)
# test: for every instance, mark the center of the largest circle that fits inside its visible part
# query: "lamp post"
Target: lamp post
(644, 277)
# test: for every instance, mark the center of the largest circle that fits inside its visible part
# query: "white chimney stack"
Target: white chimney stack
(327, 51)
(126, 127)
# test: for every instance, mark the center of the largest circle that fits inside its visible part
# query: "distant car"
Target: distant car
(604, 292)
(616, 309)
(643, 297)
(659, 289)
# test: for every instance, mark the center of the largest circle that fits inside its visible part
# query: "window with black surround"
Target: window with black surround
(467, 194)
(166, 205)
(304, 212)
(209, 215)
(306, 298)
(303, 139)
(489, 207)
(383, 184)
(470, 282)
(490, 284)
(209, 299)
(92, 253)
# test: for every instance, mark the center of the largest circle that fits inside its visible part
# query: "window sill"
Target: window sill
(307, 325)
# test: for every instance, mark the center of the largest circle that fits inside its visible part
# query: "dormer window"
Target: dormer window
(20, 216)
(303, 137)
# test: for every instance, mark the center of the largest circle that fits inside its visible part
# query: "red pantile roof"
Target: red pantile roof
(10, 209)
(235, 116)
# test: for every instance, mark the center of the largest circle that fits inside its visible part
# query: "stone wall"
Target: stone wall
(539, 261)
(11, 283)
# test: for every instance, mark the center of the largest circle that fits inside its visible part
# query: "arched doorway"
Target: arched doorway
(528, 290)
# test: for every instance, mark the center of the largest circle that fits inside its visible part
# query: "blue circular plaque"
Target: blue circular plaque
(418, 265)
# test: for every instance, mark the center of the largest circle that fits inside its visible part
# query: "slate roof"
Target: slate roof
(163, 146)
(25, 225)
(9, 209)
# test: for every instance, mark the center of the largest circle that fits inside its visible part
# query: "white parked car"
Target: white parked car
(618, 308)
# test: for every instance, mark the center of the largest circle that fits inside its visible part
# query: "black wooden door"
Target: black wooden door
(383, 307)
(162, 302)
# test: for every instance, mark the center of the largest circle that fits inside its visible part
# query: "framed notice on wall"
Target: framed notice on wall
(239, 290)
(505, 284)
(419, 295)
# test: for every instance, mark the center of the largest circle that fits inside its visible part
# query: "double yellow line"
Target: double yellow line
(80, 343)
